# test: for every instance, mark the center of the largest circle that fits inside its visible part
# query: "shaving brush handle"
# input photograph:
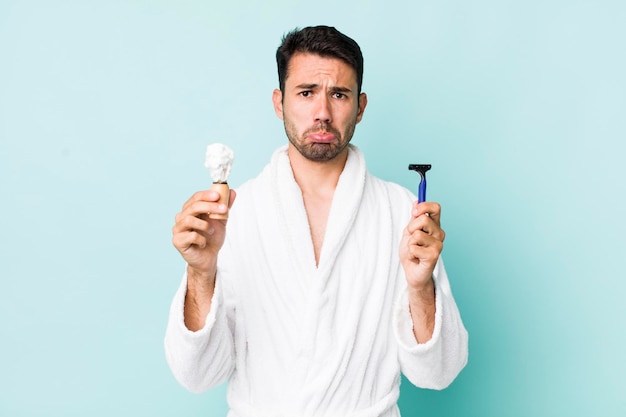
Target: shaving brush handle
(224, 192)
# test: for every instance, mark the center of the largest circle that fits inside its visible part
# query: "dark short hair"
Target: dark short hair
(324, 41)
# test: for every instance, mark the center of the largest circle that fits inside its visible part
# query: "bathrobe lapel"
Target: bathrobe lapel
(295, 226)
(290, 207)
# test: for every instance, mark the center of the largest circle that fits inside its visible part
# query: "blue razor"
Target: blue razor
(421, 190)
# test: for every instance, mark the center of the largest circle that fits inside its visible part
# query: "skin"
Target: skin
(320, 108)
(199, 240)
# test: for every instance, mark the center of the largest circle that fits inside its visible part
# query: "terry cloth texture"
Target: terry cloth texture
(299, 340)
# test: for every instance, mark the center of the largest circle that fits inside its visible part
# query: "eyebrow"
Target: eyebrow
(340, 90)
(335, 89)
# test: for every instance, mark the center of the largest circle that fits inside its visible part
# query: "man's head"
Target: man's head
(319, 99)
(324, 41)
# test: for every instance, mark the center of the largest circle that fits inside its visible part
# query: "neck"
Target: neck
(316, 177)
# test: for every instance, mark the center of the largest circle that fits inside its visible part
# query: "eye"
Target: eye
(306, 93)
(339, 95)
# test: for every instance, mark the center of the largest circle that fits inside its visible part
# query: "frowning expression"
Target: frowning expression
(320, 105)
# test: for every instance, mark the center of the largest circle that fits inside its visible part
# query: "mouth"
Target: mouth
(322, 137)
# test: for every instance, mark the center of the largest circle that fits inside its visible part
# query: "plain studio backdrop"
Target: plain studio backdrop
(105, 112)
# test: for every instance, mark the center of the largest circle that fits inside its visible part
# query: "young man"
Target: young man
(327, 282)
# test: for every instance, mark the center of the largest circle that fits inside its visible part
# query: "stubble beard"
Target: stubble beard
(319, 152)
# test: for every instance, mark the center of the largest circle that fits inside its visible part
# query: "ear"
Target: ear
(362, 105)
(277, 99)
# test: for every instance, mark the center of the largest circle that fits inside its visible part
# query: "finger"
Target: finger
(426, 225)
(201, 207)
(424, 240)
(425, 247)
(185, 240)
(231, 198)
(190, 223)
(423, 223)
(437, 234)
(424, 254)
(429, 208)
(205, 195)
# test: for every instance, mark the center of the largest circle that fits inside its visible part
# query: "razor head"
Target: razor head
(421, 168)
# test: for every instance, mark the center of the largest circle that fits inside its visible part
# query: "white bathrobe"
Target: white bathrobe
(296, 340)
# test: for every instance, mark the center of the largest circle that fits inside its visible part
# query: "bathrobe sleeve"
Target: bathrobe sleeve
(206, 358)
(436, 363)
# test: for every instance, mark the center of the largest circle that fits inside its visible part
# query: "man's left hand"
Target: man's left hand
(421, 245)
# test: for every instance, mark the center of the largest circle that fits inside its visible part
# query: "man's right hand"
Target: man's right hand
(198, 238)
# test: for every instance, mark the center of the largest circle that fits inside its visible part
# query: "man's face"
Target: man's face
(320, 105)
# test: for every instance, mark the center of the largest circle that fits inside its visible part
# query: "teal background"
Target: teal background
(105, 111)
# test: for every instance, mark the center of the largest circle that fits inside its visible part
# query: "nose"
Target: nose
(323, 110)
